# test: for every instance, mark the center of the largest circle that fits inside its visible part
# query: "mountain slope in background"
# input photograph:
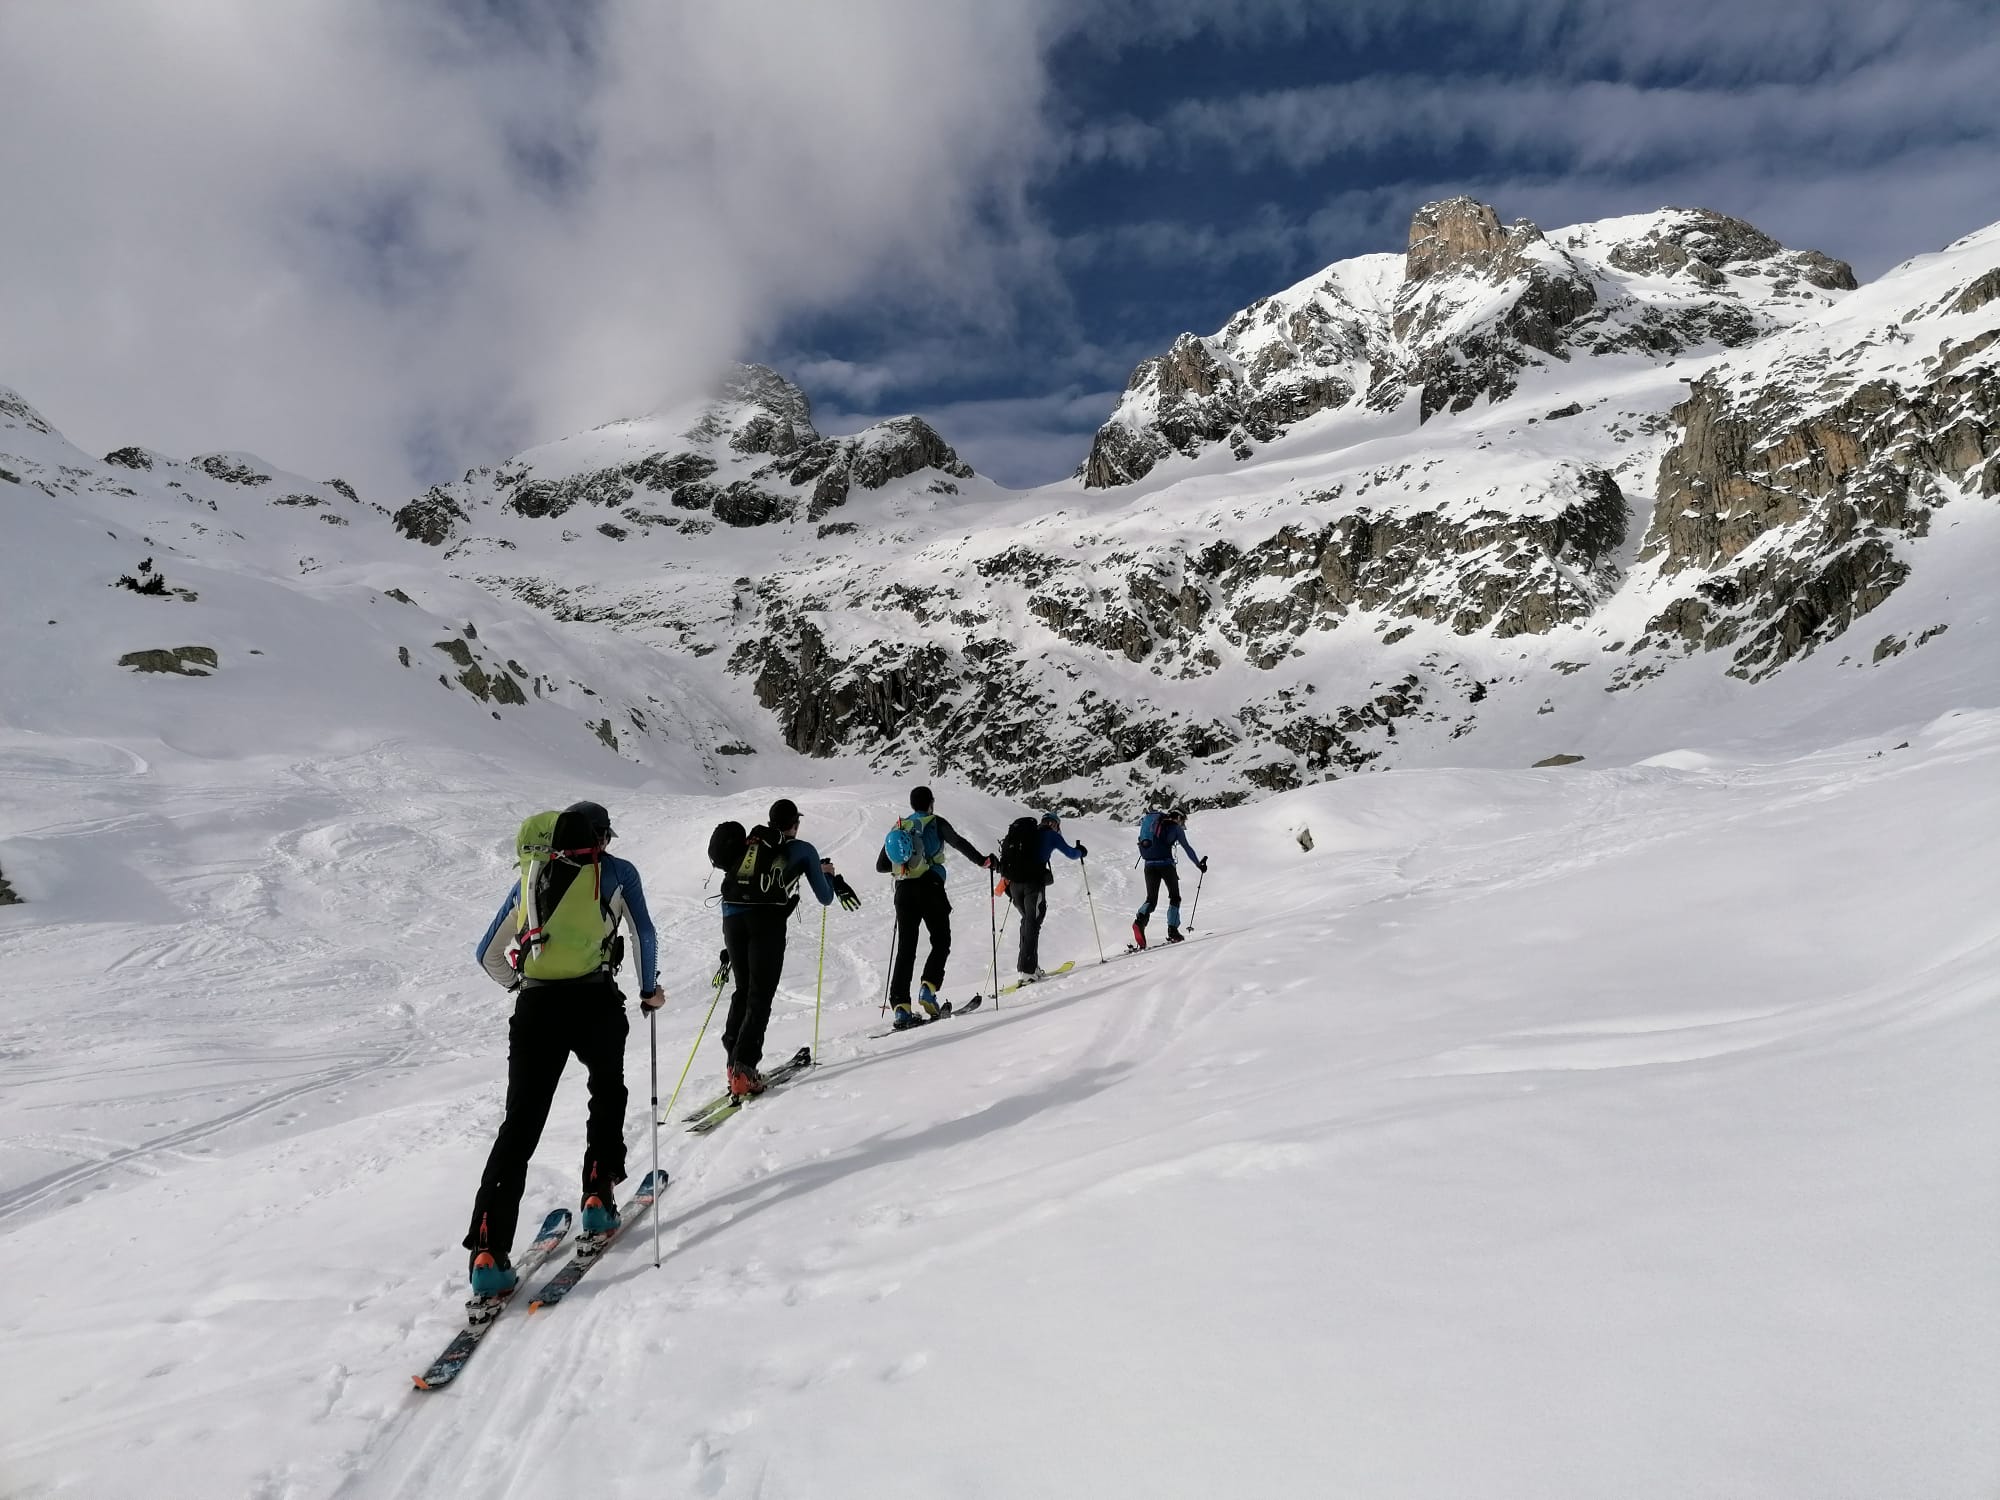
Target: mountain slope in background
(1510, 495)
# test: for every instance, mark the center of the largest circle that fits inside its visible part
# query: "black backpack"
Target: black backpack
(1021, 853)
(751, 866)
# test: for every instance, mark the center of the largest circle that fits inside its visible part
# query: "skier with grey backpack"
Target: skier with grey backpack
(1025, 851)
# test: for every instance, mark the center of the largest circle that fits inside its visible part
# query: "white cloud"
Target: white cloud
(360, 227)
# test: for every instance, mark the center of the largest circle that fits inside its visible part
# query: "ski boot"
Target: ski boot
(1174, 935)
(927, 998)
(492, 1276)
(600, 1214)
(905, 1018)
(1139, 933)
(745, 1082)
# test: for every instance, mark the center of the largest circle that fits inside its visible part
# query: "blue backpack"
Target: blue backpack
(1153, 844)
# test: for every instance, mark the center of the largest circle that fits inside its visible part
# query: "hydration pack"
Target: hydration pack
(1021, 853)
(751, 864)
(908, 847)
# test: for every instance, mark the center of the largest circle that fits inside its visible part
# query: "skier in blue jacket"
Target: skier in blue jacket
(1159, 834)
(1028, 889)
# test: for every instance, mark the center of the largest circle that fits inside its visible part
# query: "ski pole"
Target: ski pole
(889, 973)
(819, 985)
(1197, 899)
(653, 1049)
(1085, 863)
(721, 978)
(993, 926)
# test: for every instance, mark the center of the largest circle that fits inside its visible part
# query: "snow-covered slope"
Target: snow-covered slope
(1553, 1134)
(263, 613)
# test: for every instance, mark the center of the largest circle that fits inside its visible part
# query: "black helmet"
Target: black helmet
(784, 814)
(1178, 815)
(583, 825)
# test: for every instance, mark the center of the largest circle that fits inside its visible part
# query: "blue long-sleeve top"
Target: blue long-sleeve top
(1054, 843)
(800, 860)
(1180, 838)
(623, 897)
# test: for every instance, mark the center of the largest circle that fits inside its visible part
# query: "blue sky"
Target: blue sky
(392, 239)
(1195, 166)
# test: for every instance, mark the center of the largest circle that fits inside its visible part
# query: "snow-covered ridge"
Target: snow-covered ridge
(1690, 457)
(1455, 320)
(749, 456)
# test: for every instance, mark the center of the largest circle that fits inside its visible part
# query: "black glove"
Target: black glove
(1201, 865)
(1082, 852)
(989, 863)
(848, 900)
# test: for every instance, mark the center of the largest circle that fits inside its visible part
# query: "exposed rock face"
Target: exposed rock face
(1791, 508)
(1455, 235)
(182, 661)
(430, 518)
(1469, 307)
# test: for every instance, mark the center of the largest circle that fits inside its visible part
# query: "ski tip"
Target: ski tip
(421, 1383)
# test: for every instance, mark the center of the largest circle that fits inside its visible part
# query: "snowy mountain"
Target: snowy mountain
(1419, 510)
(1510, 495)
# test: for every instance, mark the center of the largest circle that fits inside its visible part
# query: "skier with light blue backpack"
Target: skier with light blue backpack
(913, 852)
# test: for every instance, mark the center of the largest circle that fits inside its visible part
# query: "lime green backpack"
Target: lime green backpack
(575, 938)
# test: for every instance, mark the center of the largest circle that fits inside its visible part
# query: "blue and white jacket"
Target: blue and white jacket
(622, 896)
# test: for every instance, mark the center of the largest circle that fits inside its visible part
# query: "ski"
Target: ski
(591, 1247)
(709, 1119)
(1008, 989)
(945, 1013)
(482, 1312)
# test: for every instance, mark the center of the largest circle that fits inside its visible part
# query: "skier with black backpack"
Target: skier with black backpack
(913, 852)
(761, 872)
(555, 944)
(1024, 864)
(1159, 833)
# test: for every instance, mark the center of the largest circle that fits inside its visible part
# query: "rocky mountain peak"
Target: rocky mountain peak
(1466, 311)
(1454, 234)
(748, 456)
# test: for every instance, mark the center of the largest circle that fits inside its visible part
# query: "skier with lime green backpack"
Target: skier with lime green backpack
(555, 944)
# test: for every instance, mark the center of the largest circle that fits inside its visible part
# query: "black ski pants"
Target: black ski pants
(921, 905)
(1031, 902)
(756, 943)
(1156, 876)
(583, 1016)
